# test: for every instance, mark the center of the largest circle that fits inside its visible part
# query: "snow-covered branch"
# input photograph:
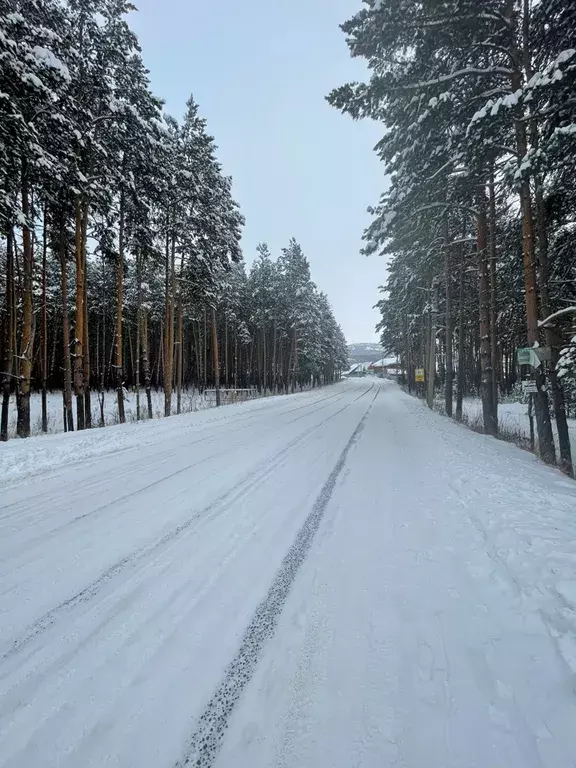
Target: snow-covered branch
(551, 318)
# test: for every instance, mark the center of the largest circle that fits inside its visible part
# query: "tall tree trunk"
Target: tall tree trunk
(431, 373)
(545, 438)
(546, 446)
(216, 357)
(274, 371)
(205, 353)
(488, 410)
(26, 351)
(461, 341)
(86, 338)
(9, 337)
(138, 329)
(102, 358)
(179, 356)
(180, 342)
(119, 362)
(551, 336)
(79, 323)
(146, 364)
(66, 350)
(226, 370)
(196, 344)
(264, 360)
(169, 320)
(44, 345)
(295, 359)
(449, 332)
(235, 358)
(494, 298)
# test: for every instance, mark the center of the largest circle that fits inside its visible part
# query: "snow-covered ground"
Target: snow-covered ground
(513, 419)
(340, 578)
(192, 400)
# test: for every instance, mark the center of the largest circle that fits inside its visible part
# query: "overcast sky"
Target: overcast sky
(260, 71)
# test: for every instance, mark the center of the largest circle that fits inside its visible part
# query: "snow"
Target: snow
(323, 580)
(50, 61)
(192, 400)
(513, 419)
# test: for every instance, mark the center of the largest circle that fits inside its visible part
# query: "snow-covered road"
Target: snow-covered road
(337, 579)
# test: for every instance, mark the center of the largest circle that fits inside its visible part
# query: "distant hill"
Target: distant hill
(364, 353)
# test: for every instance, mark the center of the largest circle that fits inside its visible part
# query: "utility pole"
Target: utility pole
(216, 358)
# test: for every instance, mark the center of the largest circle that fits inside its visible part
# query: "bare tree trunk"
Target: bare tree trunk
(138, 329)
(204, 356)
(44, 351)
(546, 446)
(79, 324)
(9, 346)
(216, 357)
(146, 363)
(180, 343)
(160, 365)
(264, 360)
(449, 331)
(119, 362)
(25, 372)
(274, 363)
(551, 337)
(179, 356)
(102, 358)
(85, 341)
(235, 358)
(461, 342)
(129, 379)
(431, 377)
(488, 411)
(196, 344)
(493, 298)
(67, 394)
(226, 374)
(295, 360)
(169, 320)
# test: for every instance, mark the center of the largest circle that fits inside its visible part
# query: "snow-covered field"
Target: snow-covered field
(192, 400)
(339, 578)
(513, 419)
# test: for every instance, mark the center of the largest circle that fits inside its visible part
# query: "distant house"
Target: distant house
(358, 370)
(388, 366)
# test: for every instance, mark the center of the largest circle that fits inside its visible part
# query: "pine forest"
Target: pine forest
(120, 257)
(478, 222)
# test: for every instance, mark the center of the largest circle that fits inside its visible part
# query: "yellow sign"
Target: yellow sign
(419, 375)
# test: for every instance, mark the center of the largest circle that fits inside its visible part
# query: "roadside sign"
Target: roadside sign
(544, 353)
(528, 356)
(529, 386)
(419, 375)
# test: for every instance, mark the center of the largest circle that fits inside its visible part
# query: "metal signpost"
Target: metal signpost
(533, 357)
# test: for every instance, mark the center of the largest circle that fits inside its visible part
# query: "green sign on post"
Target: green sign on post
(528, 356)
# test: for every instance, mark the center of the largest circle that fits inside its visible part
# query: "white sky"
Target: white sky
(260, 71)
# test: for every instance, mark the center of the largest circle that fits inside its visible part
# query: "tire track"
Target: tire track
(85, 595)
(210, 730)
(8, 511)
(57, 530)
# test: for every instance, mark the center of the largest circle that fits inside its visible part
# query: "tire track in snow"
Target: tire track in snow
(50, 618)
(366, 391)
(256, 417)
(113, 503)
(210, 731)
